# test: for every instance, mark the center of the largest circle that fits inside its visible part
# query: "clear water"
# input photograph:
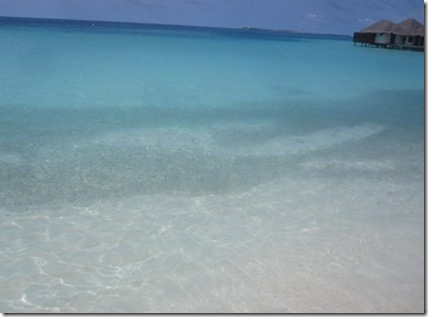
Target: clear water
(165, 169)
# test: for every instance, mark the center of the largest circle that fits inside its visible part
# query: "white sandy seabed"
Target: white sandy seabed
(331, 236)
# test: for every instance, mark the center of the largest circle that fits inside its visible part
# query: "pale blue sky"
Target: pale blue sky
(318, 16)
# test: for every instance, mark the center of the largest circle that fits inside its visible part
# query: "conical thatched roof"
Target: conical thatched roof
(407, 27)
(383, 26)
(411, 27)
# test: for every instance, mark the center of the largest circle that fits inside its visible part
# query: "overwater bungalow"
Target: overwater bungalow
(409, 34)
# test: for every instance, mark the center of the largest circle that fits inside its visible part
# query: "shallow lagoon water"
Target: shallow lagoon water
(169, 169)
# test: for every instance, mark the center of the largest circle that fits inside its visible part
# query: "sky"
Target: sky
(315, 16)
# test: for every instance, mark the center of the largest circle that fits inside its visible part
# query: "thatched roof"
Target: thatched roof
(407, 27)
(411, 27)
(383, 26)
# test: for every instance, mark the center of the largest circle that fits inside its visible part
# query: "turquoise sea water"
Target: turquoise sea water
(150, 168)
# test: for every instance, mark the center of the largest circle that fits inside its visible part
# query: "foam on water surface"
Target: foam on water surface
(235, 139)
(163, 169)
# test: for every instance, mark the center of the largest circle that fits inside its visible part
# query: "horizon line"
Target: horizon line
(285, 31)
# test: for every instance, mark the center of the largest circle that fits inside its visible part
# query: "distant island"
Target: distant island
(268, 30)
(285, 31)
